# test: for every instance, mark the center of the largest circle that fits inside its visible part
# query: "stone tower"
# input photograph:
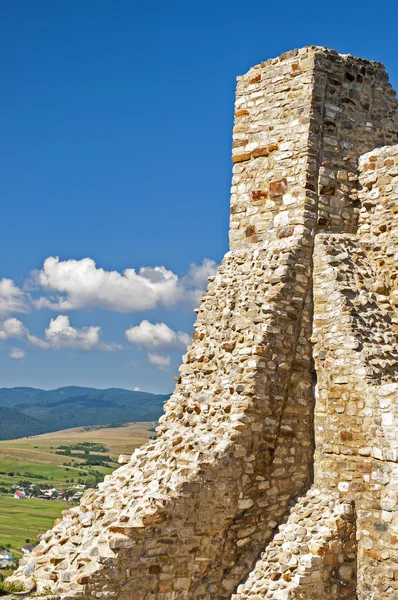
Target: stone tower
(274, 472)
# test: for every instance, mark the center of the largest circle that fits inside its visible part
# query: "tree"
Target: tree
(35, 490)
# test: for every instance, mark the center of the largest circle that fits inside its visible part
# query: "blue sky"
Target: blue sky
(115, 155)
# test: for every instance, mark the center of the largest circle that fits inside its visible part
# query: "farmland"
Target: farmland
(35, 458)
(22, 520)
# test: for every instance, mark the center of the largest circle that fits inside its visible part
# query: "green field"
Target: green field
(55, 475)
(24, 519)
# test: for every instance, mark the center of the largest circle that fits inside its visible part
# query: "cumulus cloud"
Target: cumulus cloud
(36, 341)
(77, 284)
(12, 328)
(12, 299)
(160, 361)
(157, 335)
(198, 274)
(17, 353)
(59, 334)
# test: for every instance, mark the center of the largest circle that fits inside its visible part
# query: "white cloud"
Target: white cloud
(17, 353)
(12, 328)
(198, 274)
(160, 361)
(157, 335)
(59, 334)
(36, 341)
(78, 284)
(12, 299)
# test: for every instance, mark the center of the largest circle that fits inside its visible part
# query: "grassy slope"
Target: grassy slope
(22, 519)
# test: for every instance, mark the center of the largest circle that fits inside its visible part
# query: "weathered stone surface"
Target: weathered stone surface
(356, 355)
(312, 556)
(301, 314)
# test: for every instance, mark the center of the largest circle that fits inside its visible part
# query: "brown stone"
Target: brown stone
(278, 187)
(155, 569)
(237, 158)
(330, 559)
(375, 555)
(229, 346)
(328, 190)
(137, 595)
(251, 230)
(256, 79)
(284, 232)
(259, 194)
(257, 152)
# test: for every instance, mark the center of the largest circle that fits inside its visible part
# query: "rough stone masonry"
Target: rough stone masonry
(274, 473)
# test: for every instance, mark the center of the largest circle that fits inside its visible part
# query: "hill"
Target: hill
(38, 460)
(15, 424)
(30, 411)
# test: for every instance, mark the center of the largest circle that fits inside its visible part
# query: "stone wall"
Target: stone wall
(189, 515)
(356, 355)
(356, 110)
(274, 103)
(311, 557)
(301, 122)
(190, 512)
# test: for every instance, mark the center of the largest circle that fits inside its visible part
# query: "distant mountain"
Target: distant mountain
(14, 424)
(30, 411)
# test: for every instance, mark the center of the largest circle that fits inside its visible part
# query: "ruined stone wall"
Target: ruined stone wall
(312, 556)
(355, 111)
(356, 354)
(189, 515)
(270, 149)
(301, 123)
